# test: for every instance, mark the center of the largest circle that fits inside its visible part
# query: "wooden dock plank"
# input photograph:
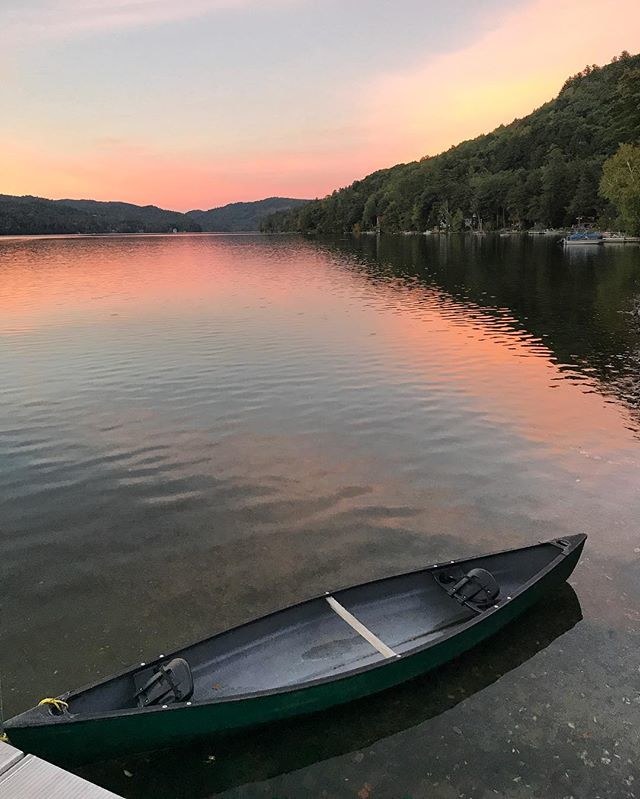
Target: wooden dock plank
(9, 756)
(28, 777)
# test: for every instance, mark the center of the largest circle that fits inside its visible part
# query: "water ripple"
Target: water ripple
(229, 425)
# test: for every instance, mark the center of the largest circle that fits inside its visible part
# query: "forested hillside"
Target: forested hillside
(543, 170)
(36, 216)
(242, 217)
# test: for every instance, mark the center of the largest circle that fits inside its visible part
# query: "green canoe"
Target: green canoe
(306, 658)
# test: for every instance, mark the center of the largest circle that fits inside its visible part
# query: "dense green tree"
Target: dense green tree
(586, 204)
(370, 212)
(457, 220)
(538, 171)
(627, 111)
(517, 199)
(620, 185)
(554, 196)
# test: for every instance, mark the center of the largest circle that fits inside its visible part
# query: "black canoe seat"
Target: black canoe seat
(172, 682)
(477, 588)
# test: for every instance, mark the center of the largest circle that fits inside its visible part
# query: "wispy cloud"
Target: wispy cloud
(63, 18)
(254, 112)
(504, 73)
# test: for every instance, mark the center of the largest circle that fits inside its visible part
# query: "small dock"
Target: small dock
(27, 777)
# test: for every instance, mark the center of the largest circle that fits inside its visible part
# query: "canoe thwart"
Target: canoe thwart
(359, 627)
(299, 659)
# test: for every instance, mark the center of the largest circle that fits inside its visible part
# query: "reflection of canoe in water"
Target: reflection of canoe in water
(306, 658)
(266, 752)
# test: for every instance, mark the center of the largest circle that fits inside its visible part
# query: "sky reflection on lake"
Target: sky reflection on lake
(195, 430)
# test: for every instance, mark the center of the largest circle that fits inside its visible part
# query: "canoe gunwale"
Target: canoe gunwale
(49, 720)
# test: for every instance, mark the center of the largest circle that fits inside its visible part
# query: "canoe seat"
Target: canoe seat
(477, 588)
(172, 682)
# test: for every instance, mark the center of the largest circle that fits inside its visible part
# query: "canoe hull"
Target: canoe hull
(107, 737)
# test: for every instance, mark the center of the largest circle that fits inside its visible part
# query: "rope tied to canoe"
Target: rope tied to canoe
(57, 704)
(4, 738)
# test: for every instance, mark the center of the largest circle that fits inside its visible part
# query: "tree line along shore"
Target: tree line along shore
(573, 161)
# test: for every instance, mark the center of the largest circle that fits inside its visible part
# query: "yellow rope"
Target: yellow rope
(59, 705)
(4, 738)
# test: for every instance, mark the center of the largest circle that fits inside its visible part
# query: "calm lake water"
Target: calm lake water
(197, 430)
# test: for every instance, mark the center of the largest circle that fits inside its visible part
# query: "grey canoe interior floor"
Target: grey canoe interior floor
(311, 640)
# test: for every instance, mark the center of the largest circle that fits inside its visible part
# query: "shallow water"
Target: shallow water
(196, 430)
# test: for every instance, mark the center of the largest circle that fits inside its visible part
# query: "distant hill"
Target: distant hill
(35, 215)
(242, 217)
(38, 216)
(542, 170)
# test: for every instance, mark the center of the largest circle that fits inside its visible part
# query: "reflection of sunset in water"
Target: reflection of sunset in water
(506, 371)
(426, 335)
(232, 336)
(231, 424)
(136, 276)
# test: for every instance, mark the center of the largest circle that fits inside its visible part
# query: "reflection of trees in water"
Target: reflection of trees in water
(629, 380)
(208, 768)
(582, 303)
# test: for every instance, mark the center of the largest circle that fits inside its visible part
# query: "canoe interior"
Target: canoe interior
(310, 641)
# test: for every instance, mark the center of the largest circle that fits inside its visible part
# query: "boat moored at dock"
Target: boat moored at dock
(306, 658)
(582, 238)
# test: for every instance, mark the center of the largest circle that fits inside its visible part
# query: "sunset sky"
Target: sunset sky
(196, 103)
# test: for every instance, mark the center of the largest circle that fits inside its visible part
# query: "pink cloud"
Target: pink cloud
(113, 169)
(279, 145)
(62, 18)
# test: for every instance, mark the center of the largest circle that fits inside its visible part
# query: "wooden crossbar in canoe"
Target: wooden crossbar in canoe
(359, 627)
